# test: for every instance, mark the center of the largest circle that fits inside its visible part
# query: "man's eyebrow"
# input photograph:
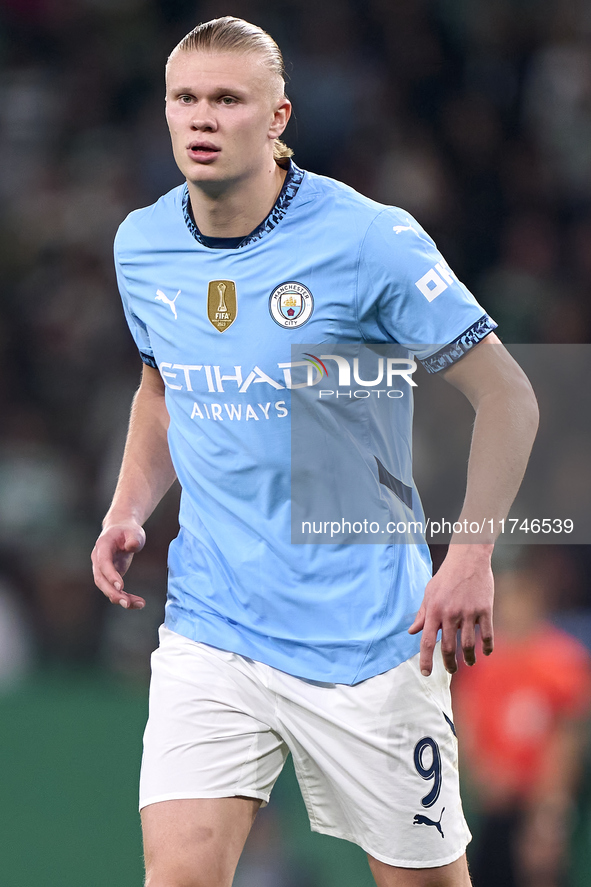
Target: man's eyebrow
(218, 90)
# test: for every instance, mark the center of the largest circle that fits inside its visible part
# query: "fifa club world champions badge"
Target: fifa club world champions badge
(291, 304)
(222, 304)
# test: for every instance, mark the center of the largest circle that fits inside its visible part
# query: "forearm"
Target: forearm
(504, 430)
(146, 470)
(460, 595)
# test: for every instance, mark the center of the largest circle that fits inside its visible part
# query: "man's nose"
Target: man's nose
(203, 118)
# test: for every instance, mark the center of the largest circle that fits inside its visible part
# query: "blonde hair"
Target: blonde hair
(230, 34)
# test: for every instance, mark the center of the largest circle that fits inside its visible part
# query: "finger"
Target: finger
(449, 639)
(428, 641)
(108, 580)
(122, 562)
(134, 541)
(115, 552)
(109, 588)
(123, 554)
(468, 642)
(104, 569)
(486, 634)
(132, 544)
(116, 595)
(419, 621)
(111, 557)
(127, 601)
(131, 602)
(111, 560)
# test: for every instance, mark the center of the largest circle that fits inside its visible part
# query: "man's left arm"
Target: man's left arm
(460, 595)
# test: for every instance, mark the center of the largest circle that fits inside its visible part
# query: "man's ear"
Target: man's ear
(281, 116)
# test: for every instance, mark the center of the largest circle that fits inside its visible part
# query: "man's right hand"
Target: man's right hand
(111, 557)
(146, 474)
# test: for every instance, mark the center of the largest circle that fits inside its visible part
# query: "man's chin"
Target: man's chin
(211, 180)
(204, 172)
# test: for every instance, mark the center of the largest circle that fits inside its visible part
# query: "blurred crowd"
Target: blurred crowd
(474, 115)
(522, 720)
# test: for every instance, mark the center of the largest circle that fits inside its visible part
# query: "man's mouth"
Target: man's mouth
(203, 151)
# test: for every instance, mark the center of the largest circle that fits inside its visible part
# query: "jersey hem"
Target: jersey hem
(371, 665)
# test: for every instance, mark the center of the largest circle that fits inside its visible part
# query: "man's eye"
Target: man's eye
(186, 99)
(228, 100)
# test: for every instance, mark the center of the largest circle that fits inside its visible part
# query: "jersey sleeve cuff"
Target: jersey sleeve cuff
(452, 352)
(148, 359)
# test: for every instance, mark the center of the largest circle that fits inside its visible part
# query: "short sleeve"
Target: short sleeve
(138, 329)
(407, 293)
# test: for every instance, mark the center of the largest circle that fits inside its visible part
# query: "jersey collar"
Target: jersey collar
(292, 182)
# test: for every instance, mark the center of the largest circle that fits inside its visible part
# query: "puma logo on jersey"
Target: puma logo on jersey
(399, 228)
(420, 819)
(160, 297)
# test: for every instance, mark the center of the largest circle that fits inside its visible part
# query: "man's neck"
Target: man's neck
(238, 208)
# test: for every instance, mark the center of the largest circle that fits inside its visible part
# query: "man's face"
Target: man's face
(223, 111)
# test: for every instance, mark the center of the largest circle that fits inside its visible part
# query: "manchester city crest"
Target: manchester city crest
(291, 304)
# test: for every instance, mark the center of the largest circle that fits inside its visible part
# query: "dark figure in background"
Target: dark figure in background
(520, 718)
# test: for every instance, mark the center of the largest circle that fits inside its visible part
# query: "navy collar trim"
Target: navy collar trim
(290, 188)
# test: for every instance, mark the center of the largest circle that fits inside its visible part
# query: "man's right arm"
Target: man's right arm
(146, 474)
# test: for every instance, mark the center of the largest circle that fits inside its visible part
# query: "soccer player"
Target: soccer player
(326, 651)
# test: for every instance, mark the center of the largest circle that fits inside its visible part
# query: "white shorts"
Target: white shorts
(376, 762)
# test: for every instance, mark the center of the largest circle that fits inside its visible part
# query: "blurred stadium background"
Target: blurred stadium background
(475, 115)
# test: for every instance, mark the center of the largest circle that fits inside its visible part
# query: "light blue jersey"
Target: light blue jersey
(219, 323)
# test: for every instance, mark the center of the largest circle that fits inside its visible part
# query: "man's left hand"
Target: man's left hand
(458, 598)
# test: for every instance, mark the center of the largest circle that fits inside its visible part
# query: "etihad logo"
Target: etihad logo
(222, 305)
(231, 412)
(389, 370)
(161, 297)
